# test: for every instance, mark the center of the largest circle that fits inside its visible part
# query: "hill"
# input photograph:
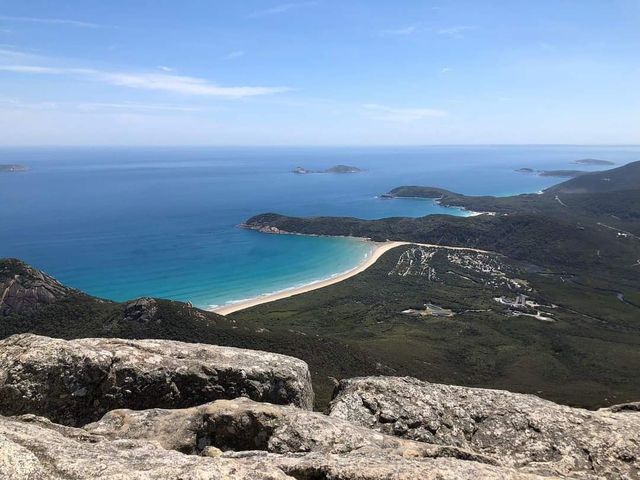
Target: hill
(622, 178)
(33, 302)
(575, 249)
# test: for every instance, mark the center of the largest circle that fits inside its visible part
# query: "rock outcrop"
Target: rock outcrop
(245, 425)
(141, 310)
(192, 414)
(130, 445)
(23, 288)
(76, 382)
(35, 449)
(517, 430)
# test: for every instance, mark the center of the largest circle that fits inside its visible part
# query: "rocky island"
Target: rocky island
(334, 169)
(11, 167)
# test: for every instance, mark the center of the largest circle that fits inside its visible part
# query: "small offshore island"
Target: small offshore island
(11, 167)
(334, 169)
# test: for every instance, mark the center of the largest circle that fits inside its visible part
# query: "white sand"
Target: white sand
(379, 250)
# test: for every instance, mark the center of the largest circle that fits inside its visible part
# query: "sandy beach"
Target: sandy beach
(380, 248)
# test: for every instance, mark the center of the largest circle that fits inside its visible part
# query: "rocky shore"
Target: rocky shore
(159, 409)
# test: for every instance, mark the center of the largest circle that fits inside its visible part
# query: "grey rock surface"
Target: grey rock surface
(517, 430)
(245, 425)
(142, 310)
(76, 382)
(34, 449)
(316, 466)
(23, 288)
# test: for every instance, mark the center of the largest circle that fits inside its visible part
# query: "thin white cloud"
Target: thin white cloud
(10, 52)
(50, 21)
(13, 103)
(150, 81)
(182, 84)
(456, 31)
(402, 31)
(135, 106)
(282, 8)
(13, 51)
(445, 70)
(41, 70)
(393, 114)
(164, 68)
(233, 55)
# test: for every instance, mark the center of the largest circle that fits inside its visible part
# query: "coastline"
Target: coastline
(380, 248)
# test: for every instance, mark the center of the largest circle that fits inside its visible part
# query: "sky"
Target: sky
(319, 72)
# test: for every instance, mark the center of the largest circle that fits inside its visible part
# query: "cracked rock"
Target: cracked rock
(517, 430)
(76, 382)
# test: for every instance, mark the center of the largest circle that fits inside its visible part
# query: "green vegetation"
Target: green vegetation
(589, 356)
(574, 252)
(577, 246)
(73, 314)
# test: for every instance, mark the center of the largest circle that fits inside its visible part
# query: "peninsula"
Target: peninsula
(552, 173)
(593, 161)
(566, 260)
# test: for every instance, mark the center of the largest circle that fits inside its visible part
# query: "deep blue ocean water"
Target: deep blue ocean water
(126, 222)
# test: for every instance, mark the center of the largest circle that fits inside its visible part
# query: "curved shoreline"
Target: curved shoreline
(380, 248)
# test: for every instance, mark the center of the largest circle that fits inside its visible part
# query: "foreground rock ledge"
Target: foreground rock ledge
(33, 449)
(312, 447)
(76, 382)
(521, 431)
(245, 425)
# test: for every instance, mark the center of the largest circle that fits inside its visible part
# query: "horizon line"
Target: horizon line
(337, 145)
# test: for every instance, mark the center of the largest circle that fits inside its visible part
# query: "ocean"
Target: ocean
(120, 223)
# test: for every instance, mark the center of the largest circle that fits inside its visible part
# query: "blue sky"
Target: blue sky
(319, 72)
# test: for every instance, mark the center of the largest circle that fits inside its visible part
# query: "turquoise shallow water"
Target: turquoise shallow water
(126, 222)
